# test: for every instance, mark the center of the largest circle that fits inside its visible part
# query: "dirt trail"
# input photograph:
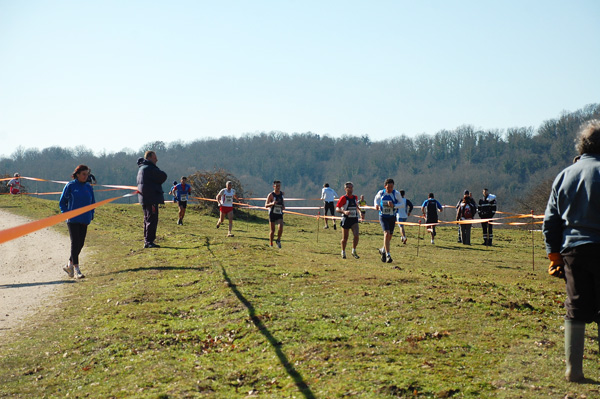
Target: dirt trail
(30, 271)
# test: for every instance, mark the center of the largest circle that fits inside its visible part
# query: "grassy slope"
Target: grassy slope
(210, 316)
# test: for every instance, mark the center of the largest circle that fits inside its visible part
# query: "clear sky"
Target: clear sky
(113, 75)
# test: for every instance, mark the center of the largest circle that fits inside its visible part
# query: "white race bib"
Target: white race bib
(277, 209)
(387, 210)
(228, 200)
(183, 197)
(352, 212)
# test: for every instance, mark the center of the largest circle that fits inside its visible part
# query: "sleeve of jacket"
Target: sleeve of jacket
(160, 176)
(93, 201)
(553, 223)
(409, 206)
(63, 203)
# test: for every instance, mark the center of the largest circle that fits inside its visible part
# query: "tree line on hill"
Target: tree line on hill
(517, 164)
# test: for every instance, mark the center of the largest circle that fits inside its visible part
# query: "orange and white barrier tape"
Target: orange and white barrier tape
(24, 229)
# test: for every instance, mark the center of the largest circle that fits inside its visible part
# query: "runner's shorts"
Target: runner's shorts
(387, 223)
(183, 204)
(275, 218)
(347, 223)
(225, 209)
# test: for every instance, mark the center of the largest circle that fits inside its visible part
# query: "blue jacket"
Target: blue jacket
(149, 182)
(572, 215)
(77, 195)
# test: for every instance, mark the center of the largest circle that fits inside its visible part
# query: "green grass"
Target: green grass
(216, 317)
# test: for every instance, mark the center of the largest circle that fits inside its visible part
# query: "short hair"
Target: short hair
(402, 192)
(349, 183)
(228, 183)
(276, 182)
(588, 139)
(148, 154)
(388, 181)
(183, 177)
(78, 170)
(431, 195)
(485, 189)
(326, 185)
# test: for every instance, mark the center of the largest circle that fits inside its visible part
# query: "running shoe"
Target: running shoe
(389, 259)
(77, 272)
(335, 228)
(69, 269)
(343, 254)
(382, 253)
(218, 225)
(404, 239)
(151, 245)
(326, 227)
(229, 235)
(433, 242)
(278, 243)
(355, 255)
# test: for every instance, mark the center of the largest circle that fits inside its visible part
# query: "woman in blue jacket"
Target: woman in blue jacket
(76, 194)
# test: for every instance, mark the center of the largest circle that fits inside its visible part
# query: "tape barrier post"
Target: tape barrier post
(318, 227)
(418, 238)
(532, 244)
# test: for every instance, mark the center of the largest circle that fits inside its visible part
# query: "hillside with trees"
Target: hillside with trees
(516, 164)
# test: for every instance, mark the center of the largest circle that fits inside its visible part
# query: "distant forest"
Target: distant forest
(517, 164)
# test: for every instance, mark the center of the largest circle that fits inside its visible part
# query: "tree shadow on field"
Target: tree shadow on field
(159, 268)
(23, 285)
(289, 367)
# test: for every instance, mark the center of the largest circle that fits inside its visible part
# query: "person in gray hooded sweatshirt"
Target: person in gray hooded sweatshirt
(572, 237)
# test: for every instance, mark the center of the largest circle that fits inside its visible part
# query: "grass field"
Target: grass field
(207, 316)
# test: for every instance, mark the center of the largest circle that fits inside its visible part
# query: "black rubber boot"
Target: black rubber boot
(574, 342)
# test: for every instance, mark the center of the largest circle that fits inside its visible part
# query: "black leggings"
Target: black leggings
(77, 232)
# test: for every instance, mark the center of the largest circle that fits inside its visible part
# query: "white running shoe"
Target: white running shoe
(404, 239)
(343, 254)
(433, 242)
(69, 269)
(77, 272)
(355, 255)
(278, 244)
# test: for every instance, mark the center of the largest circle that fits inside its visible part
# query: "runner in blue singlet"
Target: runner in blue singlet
(385, 202)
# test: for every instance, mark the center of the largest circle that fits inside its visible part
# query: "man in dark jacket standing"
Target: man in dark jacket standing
(150, 194)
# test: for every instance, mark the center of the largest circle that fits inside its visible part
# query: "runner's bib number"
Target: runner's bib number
(387, 210)
(352, 213)
(183, 197)
(277, 209)
(228, 200)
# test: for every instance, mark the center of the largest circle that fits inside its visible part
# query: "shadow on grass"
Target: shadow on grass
(145, 269)
(23, 285)
(289, 367)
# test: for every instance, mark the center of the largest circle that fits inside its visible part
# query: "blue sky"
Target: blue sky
(113, 75)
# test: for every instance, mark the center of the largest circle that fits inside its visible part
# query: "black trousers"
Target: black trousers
(465, 232)
(488, 232)
(77, 232)
(150, 222)
(582, 274)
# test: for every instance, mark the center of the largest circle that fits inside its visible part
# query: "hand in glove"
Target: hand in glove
(557, 265)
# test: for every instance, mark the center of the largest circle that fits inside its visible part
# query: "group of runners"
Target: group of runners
(392, 207)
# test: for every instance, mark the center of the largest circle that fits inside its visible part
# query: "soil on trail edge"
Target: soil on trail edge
(30, 272)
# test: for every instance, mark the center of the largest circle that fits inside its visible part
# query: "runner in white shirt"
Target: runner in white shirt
(328, 195)
(225, 199)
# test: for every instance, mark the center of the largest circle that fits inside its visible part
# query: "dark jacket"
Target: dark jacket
(149, 183)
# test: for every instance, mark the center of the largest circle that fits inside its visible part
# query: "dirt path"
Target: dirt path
(30, 271)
